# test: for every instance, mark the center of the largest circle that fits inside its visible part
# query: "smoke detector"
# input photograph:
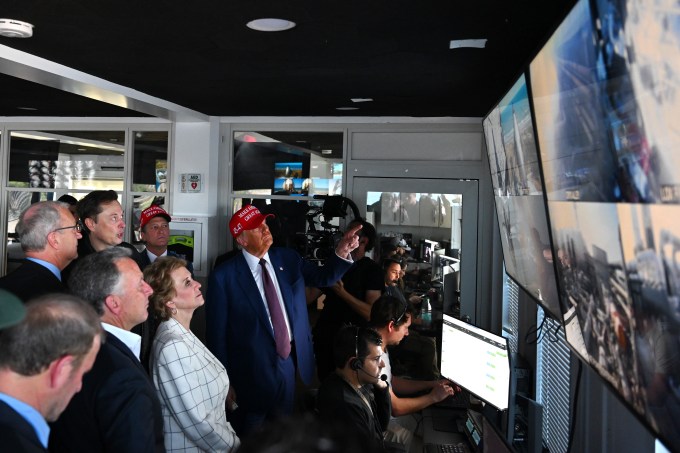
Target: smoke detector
(11, 28)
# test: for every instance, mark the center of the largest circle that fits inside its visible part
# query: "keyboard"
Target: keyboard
(446, 448)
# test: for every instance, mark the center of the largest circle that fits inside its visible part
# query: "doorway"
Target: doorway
(437, 221)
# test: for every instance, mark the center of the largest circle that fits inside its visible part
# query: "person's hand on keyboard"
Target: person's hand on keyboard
(441, 390)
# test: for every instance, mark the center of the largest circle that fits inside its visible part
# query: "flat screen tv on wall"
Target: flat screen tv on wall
(606, 97)
(518, 192)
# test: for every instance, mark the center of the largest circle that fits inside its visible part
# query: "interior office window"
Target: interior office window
(149, 174)
(150, 161)
(46, 164)
(287, 163)
(553, 384)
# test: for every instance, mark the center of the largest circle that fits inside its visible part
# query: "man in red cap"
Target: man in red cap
(256, 317)
(154, 230)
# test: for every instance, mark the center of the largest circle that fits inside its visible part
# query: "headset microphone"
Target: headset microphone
(383, 378)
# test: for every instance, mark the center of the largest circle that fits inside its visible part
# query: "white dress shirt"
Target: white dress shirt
(256, 269)
(131, 340)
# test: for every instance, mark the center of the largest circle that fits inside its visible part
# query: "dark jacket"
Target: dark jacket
(31, 280)
(338, 402)
(116, 410)
(16, 434)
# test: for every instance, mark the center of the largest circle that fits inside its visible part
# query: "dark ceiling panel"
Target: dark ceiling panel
(201, 55)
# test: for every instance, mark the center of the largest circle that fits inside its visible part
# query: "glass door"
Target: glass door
(435, 222)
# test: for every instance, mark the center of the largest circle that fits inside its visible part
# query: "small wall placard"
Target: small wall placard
(190, 182)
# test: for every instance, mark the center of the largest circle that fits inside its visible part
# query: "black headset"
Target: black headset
(355, 363)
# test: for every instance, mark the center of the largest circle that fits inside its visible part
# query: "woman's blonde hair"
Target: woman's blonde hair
(158, 276)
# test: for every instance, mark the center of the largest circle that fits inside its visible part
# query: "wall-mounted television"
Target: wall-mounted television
(606, 99)
(518, 192)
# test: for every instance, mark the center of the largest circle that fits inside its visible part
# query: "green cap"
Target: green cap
(12, 310)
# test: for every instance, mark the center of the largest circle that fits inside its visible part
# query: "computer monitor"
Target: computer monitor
(477, 360)
(437, 266)
(427, 248)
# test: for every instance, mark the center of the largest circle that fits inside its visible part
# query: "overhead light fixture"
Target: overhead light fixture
(471, 43)
(361, 99)
(11, 28)
(326, 151)
(347, 108)
(31, 109)
(270, 24)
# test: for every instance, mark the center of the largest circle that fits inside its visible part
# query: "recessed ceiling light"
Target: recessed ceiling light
(270, 24)
(326, 151)
(473, 43)
(27, 108)
(11, 28)
(347, 108)
(361, 99)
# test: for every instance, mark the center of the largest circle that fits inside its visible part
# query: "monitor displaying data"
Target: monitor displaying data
(477, 360)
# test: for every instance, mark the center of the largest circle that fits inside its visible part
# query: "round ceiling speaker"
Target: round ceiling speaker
(11, 28)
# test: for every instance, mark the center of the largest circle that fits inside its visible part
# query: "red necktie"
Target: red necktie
(278, 322)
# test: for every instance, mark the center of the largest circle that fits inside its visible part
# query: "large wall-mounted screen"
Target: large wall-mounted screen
(518, 191)
(606, 97)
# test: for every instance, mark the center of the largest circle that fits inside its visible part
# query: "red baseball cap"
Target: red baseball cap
(247, 218)
(151, 212)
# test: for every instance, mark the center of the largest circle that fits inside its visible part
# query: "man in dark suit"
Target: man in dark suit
(49, 237)
(117, 408)
(43, 360)
(154, 231)
(257, 322)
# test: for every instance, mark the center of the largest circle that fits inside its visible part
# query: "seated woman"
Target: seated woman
(192, 384)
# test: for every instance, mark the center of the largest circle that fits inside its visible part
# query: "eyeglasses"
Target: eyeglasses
(78, 227)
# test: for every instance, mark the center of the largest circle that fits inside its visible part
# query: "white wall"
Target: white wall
(196, 150)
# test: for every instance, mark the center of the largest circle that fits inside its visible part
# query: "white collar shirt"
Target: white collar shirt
(131, 340)
(256, 270)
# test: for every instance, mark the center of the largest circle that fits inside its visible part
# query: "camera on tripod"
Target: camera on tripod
(321, 237)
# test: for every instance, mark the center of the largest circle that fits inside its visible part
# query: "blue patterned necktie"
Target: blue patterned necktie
(278, 322)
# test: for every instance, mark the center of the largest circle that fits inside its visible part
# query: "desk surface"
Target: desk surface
(446, 415)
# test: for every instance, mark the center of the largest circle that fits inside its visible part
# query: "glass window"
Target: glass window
(150, 161)
(287, 163)
(80, 160)
(48, 164)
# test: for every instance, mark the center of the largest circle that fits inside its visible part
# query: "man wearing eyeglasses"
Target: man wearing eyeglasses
(154, 230)
(49, 238)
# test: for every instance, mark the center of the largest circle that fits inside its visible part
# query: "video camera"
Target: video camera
(321, 237)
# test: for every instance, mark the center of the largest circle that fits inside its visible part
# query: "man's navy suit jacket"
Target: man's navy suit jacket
(117, 408)
(31, 280)
(16, 434)
(238, 330)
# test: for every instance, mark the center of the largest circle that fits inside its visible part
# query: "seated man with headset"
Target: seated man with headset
(356, 394)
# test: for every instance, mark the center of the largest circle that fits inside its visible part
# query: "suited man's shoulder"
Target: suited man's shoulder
(16, 433)
(31, 280)
(284, 253)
